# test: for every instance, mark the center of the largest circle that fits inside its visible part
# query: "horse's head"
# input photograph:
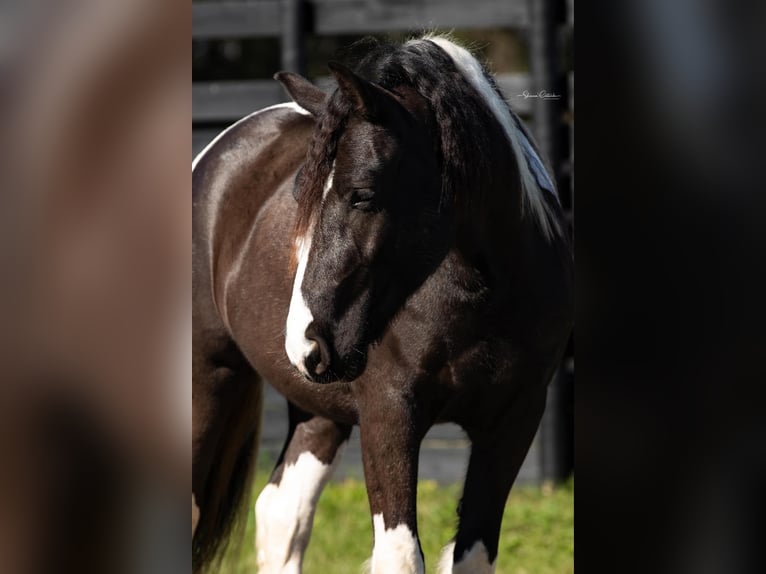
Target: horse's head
(370, 225)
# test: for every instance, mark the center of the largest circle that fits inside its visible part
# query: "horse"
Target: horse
(391, 255)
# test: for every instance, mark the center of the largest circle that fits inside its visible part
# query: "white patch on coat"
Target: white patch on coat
(195, 515)
(284, 513)
(396, 550)
(475, 561)
(299, 317)
(527, 160)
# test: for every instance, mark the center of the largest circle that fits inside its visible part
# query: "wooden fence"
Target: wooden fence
(547, 24)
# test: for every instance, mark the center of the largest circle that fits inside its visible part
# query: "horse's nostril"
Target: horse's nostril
(318, 360)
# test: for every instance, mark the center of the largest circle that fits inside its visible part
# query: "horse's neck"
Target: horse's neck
(489, 231)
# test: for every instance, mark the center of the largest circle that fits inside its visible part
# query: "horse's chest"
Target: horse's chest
(452, 355)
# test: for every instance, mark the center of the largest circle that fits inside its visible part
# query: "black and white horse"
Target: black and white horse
(391, 255)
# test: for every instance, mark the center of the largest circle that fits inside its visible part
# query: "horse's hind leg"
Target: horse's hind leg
(496, 457)
(285, 508)
(227, 404)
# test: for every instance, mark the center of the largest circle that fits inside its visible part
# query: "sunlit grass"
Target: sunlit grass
(537, 535)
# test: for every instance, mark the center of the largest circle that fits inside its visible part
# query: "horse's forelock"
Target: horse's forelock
(319, 161)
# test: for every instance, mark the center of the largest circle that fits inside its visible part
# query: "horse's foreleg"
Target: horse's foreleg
(391, 438)
(496, 457)
(285, 508)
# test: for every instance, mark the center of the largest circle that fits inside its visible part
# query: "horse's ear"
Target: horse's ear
(303, 92)
(370, 99)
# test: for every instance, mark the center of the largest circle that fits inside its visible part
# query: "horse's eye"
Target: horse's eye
(362, 199)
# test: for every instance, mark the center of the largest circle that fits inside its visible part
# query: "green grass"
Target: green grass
(537, 535)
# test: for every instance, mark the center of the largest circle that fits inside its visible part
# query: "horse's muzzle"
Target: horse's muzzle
(317, 363)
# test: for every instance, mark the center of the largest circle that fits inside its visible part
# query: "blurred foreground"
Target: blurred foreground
(95, 405)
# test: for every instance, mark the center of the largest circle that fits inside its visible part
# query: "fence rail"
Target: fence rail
(231, 100)
(221, 20)
(241, 19)
(365, 16)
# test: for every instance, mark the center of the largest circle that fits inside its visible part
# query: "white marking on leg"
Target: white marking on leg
(284, 513)
(195, 515)
(474, 561)
(299, 317)
(396, 550)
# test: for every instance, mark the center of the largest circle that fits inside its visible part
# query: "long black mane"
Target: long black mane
(462, 121)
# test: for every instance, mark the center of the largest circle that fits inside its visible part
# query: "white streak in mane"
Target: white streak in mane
(531, 183)
(328, 183)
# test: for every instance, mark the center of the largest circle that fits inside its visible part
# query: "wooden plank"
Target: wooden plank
(293, 38)
(235, 19)
(365, 16)
(226, 101)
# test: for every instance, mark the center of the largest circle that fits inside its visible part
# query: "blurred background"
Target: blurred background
(237, 46)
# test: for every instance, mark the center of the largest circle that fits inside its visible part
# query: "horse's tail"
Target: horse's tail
(223, 501)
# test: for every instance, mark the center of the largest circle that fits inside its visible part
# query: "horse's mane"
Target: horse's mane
(462, 116)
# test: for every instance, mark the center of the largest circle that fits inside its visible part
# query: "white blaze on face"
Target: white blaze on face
(396, 550)
(284, 513)
(475, 561)
(299, 317)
